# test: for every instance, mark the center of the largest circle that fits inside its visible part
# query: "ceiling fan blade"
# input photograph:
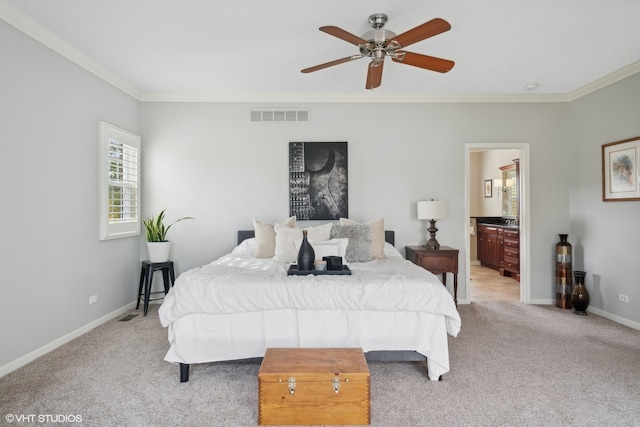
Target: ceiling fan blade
(374, 75)
(423, 61)
(331, 63)
(421, 32)
(344, 35)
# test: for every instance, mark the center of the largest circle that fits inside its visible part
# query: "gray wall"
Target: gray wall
(605, 236)
(52, 261)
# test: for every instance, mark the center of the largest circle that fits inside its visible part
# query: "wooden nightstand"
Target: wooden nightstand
(440, 261)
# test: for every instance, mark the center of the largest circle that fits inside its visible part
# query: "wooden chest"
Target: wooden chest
(306, 386)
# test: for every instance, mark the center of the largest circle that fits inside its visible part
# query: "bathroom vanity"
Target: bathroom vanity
(499, 248)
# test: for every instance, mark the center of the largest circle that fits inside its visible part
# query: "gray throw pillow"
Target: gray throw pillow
(359, 246)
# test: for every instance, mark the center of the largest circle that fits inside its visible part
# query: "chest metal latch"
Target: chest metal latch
(292, 385)
(336, 384)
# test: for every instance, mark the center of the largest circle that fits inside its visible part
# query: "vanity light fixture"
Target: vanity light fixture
(504, 186)
(432, 210)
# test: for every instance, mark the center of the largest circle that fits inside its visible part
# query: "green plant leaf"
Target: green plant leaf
(156, 230)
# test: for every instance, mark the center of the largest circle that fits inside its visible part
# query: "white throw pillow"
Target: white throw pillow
(377, 236)
(286, 237)
(322, 248)
(266, 237)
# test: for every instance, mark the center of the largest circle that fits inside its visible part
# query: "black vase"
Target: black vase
(579, 296)
(306, 254)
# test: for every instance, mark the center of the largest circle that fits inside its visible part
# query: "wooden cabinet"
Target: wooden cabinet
(490, 246)
(511, 253)
(499, 248)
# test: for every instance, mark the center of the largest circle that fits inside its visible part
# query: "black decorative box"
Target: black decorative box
(333, 262)
(293, 271)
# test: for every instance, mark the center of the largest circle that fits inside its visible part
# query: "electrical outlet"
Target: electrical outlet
(93, 299)
(623, 298)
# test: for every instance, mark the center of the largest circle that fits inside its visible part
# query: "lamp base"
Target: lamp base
(432, 244)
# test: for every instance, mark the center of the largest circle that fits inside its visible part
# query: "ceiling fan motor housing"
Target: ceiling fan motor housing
(378, 38)
(378, 44)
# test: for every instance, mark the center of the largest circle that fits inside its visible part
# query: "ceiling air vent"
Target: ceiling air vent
(279, 116)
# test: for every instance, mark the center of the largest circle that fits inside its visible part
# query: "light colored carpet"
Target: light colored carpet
(512, 365)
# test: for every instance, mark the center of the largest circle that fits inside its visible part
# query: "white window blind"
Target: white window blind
(119, 182)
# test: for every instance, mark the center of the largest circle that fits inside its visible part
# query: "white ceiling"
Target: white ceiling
(236, 48)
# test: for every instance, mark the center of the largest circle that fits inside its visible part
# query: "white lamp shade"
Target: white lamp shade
(432, 209)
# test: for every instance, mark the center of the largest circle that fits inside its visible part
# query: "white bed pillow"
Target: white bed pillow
(265, 235)
(391, 251)
(377, 235)
(286, 237)
(245, 249)
(331, 247)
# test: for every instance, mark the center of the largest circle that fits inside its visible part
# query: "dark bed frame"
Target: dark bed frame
(389, 236)
(371, 356)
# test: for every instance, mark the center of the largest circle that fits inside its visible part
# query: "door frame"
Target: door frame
(525, 253)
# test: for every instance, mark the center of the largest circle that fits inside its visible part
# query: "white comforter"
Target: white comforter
(238, 283)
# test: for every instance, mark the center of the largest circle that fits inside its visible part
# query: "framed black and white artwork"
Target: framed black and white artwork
(318, 180)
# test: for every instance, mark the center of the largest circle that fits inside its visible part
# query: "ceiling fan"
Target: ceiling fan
(380, 43)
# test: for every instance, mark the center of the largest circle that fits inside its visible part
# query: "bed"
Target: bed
(239, 305)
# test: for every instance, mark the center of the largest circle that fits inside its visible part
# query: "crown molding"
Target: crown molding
(605, 81)
(35, 30)
(406, 98)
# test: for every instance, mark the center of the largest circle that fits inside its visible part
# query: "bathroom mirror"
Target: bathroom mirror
(510, 191)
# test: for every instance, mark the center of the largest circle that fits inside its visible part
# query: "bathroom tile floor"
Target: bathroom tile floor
(488, 285)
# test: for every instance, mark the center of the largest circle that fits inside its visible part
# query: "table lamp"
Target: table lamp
(432, 210)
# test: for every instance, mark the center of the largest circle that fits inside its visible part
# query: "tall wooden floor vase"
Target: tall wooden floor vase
(563, 272)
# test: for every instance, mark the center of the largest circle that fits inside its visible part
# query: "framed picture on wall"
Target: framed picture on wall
(488, 188)
(318, 180)
(620, 172)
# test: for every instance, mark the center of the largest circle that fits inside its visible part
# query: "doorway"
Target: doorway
(498, 287)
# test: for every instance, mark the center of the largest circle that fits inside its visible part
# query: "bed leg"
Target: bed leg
(439, 378)
(184, 372)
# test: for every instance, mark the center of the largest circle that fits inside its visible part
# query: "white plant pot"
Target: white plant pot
(158, 251)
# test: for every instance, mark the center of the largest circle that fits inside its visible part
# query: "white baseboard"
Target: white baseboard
(614, 317)
(542, 301)
(30, 357)
(596, 311)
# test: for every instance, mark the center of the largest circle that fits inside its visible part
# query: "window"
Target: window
(119, 181)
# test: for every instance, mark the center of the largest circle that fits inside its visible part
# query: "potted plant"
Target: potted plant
(157, 244)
